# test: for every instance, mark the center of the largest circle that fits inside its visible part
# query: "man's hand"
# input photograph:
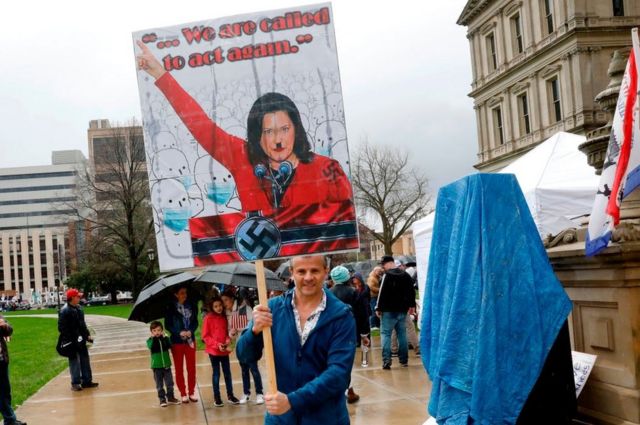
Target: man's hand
(261, 319)
(379, 314)
(365, 341)
(278, 403)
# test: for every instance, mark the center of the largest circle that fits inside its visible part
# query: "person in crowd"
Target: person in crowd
(181, 320)
(72, 327)
(315, 326)
(395, 297)
(362, 310)
(160, 345)
(373, 282)
(6, 410)
(346, 293)
(239, 321)
(217, 345)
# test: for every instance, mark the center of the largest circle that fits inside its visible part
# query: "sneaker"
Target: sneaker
(16, 422)
(76, 387)
(90, 385)
(217, 402)
(386, 366)
(193, 398)
(172, 400)
(163, 403)
(233, 400)
(375, 328)
(404, 364)
(185, 399)
(259, 399)
(394, 354)
(244, 399)
(352, 397)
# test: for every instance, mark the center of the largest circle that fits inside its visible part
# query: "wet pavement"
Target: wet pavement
(120, 363)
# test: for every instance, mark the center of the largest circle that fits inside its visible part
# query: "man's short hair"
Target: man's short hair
(155, 324)
(324, 260)
(386, 259)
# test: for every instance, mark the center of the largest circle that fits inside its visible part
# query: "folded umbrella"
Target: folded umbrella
(152, 301)
(239, 274)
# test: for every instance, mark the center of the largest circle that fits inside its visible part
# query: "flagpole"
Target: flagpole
(266, 332)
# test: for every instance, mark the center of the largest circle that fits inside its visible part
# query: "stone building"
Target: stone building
(537, 66)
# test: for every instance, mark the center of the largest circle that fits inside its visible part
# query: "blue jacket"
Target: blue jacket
(174, 322)
(314, 376)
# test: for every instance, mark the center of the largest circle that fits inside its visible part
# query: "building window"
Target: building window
(497, 125)
(523, 114)
(554, 96)
(516, 30)
(548, 14)
(618, 7)
(492, 58)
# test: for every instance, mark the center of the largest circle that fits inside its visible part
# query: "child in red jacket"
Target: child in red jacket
(217, 341)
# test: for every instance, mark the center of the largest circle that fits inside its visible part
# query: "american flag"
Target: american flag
(621, 169)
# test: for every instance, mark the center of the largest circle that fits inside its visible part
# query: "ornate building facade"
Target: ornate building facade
(537, 66)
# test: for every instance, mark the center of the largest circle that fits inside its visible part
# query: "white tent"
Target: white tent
(558, 184)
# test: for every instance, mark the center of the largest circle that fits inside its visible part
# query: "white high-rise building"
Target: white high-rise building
(37, 210)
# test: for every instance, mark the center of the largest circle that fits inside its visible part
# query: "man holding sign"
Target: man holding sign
(314, 338)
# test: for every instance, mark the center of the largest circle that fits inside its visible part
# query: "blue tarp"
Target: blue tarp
(493, 305)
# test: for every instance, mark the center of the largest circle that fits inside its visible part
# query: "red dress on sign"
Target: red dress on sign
(316, 212)
(320, 180)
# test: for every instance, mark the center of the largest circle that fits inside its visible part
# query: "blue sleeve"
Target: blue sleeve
(171, 323)
(249, 346)
(334, 380)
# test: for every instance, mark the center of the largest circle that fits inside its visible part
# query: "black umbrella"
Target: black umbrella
(240, 274)
(284, 271)
(152, 301)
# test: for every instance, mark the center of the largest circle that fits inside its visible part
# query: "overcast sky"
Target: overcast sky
(405, 71)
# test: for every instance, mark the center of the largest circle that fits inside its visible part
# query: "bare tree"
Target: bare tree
(388, 186)
(114, 200)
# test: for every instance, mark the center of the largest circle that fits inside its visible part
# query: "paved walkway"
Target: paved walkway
(127, 395)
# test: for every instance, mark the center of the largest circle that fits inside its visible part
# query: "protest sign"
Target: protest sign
(582, 366)
(245, 138)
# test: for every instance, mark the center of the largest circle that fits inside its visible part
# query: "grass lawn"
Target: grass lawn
(32, 355)
(119, 310)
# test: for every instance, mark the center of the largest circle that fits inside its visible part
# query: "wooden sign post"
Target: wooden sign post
(263, 298)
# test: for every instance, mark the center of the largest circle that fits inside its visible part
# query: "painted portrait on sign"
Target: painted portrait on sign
(245, 133)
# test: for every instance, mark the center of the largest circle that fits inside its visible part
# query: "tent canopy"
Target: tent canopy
(558, 184)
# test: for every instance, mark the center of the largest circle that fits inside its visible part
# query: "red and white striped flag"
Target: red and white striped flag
(621, 169)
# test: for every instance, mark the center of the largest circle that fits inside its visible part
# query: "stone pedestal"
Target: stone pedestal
(605, 321)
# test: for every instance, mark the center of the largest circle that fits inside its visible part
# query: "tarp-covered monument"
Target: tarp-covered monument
(493, 305)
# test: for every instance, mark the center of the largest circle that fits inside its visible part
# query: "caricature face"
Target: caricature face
(171, 198)
(172, 163)
(278, 136)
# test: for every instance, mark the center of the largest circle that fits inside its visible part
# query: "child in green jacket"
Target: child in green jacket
(160, 345)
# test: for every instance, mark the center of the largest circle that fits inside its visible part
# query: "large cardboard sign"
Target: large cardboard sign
(245, 138)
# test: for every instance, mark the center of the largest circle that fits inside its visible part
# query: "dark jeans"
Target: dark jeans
(80, 367)
(216, 362)
(5, 394)
(374, 322)
(163, 377)
(257, 379)
(394, 321)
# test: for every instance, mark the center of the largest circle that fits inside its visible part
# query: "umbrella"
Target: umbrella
(240, 274)
(283, 271)
(153, 299)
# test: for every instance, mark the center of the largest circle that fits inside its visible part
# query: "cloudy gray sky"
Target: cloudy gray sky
(405, 70)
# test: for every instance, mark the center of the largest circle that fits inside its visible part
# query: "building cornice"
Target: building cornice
(472, 9)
